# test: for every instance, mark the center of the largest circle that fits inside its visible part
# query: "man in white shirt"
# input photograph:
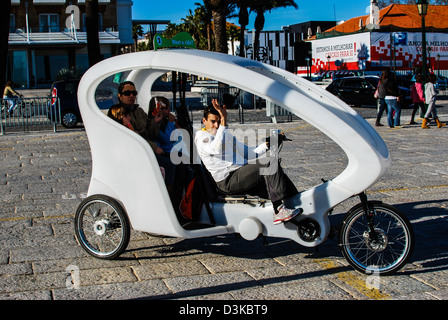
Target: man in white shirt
(227, 160)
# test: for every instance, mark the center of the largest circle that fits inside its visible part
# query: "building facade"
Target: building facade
(393, 40)
(387, 38)
(48, 37)
(286, 49)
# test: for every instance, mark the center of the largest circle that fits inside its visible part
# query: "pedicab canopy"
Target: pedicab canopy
(125, 168)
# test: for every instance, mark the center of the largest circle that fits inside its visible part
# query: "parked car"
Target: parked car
(67, 92)
(358, 91)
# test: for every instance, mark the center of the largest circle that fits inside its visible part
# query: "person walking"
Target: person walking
(392, 99)
(430, 97)
(418, 98)
(381, 94)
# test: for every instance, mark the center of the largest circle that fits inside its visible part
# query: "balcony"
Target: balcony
(52, 37)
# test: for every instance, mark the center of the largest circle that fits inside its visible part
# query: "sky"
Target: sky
(325, 10)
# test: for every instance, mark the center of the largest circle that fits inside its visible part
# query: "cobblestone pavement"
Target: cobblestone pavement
(45, 175)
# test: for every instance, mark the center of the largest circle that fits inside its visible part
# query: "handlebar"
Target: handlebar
(281, 137)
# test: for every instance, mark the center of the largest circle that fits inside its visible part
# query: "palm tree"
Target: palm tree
(204, 13)
(137, 32)
(4, 36)
(219, 23)
(243, 20)
(93, 40)
(220, 10)
(260, 7)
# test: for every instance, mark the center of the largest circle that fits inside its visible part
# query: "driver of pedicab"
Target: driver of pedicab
(217, 147)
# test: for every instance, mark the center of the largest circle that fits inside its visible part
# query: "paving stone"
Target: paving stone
(44, 176)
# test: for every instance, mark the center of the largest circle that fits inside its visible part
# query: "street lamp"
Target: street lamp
(422, 6)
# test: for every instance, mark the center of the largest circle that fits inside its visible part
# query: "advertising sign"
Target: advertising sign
(180, 40)
(406, 51)
(341, 53)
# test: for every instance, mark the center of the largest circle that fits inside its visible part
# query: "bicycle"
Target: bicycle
(17, 107)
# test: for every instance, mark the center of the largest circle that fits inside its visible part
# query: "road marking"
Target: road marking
(353, 280)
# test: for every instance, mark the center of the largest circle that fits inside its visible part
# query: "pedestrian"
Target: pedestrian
(430, 97)
(380, 95)
(418, 98)
(392, 101)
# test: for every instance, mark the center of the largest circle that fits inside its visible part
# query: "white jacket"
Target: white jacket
(223, 153)
(430, 93)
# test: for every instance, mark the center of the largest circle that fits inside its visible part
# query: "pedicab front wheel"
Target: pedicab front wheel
(381, 242)
(102, 227)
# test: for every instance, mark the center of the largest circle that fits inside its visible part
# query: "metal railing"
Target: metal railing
(242, 98)
(29, 112)
(273, 110)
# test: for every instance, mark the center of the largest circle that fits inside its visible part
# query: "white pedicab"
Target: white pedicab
(127, 189)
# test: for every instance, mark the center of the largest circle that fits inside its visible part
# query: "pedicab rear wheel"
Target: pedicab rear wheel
(102, 227)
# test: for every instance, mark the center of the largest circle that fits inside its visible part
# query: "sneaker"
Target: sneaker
(285, 214)
(378, 124)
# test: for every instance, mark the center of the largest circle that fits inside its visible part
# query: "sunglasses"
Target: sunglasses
(127, 93)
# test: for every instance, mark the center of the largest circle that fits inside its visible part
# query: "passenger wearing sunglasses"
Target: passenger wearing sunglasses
(146, 126)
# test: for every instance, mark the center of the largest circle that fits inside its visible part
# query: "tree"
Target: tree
(204, 14)
(243, 20)
(137, 32)
(198, 24)
(220, 10)
(4, 37)
(260, 7)
(93, 40)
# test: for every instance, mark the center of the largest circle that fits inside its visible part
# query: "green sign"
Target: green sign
(180, 40)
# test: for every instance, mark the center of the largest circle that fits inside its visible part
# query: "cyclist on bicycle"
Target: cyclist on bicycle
(10, 95)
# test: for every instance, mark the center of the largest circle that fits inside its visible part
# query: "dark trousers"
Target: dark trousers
(253, 179)
(422, 107)
(381, 107)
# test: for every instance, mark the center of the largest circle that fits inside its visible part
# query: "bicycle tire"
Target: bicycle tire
(102, 227)
(391, 249)
(27, 110)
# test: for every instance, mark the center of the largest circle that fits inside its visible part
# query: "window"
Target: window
(12, 23)
(49, 22)
(352, 83)
(100, 22)
(366, 85)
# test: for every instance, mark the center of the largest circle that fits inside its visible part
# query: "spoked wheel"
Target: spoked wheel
(27, 109)
(102, 227)
(380, 242)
